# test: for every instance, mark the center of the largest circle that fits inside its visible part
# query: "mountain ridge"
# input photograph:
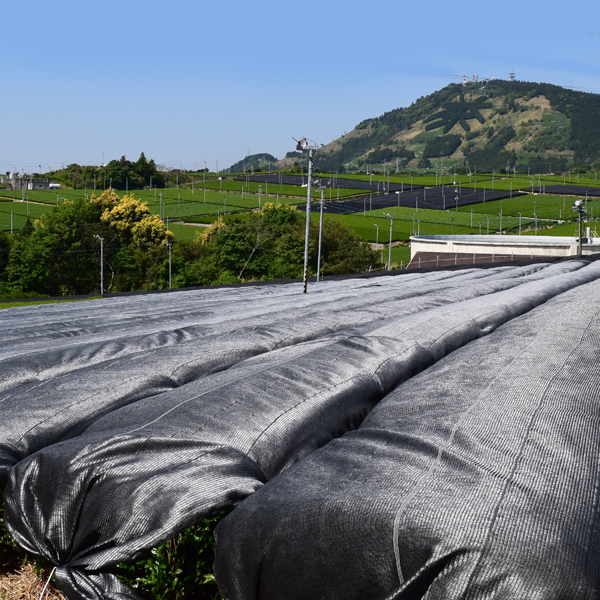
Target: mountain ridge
(493, 125)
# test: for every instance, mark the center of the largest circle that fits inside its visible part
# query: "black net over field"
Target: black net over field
(434, 198)
(330, 182)
(476, 479)
(126, 420)
(571, 190)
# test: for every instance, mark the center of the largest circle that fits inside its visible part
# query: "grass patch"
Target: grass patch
(185, 232)
(408, 221)
(545, 206)
(37, 303)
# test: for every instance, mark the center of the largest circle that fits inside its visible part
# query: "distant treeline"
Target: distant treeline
(60, 254)
(120, 174)
(256, 161)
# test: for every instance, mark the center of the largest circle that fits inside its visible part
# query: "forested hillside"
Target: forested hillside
(493, 125)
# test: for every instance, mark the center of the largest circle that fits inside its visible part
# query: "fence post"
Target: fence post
(437, 264)
(419, 262)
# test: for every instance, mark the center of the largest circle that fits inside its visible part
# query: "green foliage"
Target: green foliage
(493, 156)
(257, 161)
(59, 255)
(268, 245)
(379, 132)
(447, 107)
(121, 173)
(11, 556)
(461, 111)
(441, 146)
(549, 138)
(180, 569)
(388, 154)
(5, 246)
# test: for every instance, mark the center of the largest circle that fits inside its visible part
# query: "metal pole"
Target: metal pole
(307, 234)
(102, 266)
(320, 235)
(390, 249)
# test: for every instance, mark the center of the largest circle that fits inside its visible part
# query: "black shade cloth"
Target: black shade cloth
(475, 480)
(144, 472)
(438, 198)
(326, 181)
(55, 388)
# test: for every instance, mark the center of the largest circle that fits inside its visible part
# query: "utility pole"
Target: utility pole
(320, 236)
(578, 207)
(302, 144)
(390, 248)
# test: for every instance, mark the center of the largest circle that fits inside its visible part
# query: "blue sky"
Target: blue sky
(188, 82)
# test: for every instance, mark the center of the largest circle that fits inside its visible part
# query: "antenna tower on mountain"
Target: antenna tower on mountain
(511, 76)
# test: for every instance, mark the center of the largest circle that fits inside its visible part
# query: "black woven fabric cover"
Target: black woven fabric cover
(109, 450)
(477, 479)
(58, 377)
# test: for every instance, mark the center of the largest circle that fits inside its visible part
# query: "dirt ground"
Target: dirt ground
(26, 584)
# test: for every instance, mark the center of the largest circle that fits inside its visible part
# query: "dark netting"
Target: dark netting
(328, 182)
(144, 472)
(438, 198)
(54, 391)
(477, 479)
(572, 190)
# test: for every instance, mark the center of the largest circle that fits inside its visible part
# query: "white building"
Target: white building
(447, 250)
(14, 182)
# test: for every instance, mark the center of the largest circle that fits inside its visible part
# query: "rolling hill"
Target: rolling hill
(491, 125)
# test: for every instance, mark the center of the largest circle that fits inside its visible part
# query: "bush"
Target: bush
(179, 569)
(441, 146)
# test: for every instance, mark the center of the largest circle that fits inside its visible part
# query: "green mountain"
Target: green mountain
(254, 161)
(492, 125)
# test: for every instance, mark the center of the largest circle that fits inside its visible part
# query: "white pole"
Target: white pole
(390, 250)
(320, 236)
(306, 236)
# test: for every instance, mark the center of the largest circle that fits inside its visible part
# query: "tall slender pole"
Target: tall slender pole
(306, 236)
(390, 249)
(102, 266)
(320, 236)
(580, 250)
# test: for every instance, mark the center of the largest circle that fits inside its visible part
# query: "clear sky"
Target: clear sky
(188, 81)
